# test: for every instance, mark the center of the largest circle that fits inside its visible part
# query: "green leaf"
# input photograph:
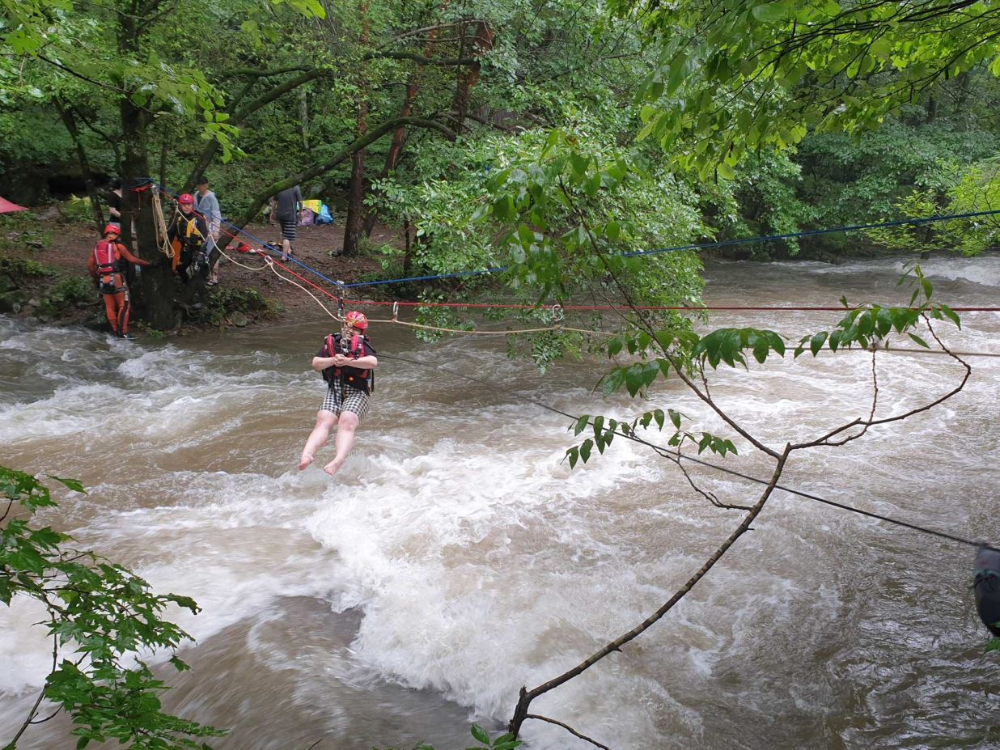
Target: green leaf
(770, 12)
(951, 315)
(816, 342)
(919, 340)
(585, 449)
(480, 734)
(74, 484)
(581, 424)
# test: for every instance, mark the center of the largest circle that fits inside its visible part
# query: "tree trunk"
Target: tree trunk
(409, 99)
(304, 117)
(469, 77)
(356, 193)
(153, 288)
(164, 153)
(66, 115)
(335, 161)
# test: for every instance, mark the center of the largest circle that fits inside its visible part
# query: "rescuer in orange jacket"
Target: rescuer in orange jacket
(107, 266)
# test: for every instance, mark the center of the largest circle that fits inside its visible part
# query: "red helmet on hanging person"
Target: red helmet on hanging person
(356, 319)
(112, 229)
(185, 199)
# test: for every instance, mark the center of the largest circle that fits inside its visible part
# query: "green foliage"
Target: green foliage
(77, 210)
(865, 326)
(20, 268)
(70, 290)
(874, 324)
(224, 301)
(737, 76)
(915, 237)
(576, 208)
(107, 613)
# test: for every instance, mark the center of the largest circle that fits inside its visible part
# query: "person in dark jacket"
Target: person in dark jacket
(287, 210)
(188, 235)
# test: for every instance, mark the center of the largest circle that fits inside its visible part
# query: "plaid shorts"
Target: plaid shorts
(355, 401)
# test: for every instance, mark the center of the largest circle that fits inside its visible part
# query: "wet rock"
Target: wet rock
(12, 301)
(7, 283)
(33, 302)
(238, 319)
(95, 323)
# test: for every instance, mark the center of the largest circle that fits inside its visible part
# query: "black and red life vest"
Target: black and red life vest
(355, 377)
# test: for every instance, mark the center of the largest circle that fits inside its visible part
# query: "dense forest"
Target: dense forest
(552, 138)
(405, 113)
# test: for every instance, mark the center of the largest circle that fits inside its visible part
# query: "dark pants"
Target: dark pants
(193, 270)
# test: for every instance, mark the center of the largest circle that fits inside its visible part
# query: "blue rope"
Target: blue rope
(707, 245)
(634, 254)
(457, 275)
(263, 243)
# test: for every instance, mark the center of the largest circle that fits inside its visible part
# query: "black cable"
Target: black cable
(673, 456)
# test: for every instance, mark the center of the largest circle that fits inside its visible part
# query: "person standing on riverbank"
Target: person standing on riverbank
(287, 210)
(347, 361)
(107, 267)
(208, 206)
(188, 234)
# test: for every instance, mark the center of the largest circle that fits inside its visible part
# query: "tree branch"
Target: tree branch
(362, 142)
(276, 92)
(420, 59)
(521, 711)
(569, 729)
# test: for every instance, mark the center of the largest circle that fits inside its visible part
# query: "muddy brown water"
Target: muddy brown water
(457, 557)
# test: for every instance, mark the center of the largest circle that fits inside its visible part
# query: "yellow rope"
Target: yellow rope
(268, 264)
(490, 333)
(162, 240)
(241, 265)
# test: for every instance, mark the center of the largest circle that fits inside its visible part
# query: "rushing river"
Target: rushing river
(457, 557)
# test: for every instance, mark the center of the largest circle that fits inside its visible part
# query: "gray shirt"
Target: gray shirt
(208, 206)
(288, 204)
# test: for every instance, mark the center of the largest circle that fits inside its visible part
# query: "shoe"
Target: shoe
(126, 336)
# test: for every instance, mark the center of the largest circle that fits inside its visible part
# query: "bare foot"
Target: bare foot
(305, 461)
(333, 467)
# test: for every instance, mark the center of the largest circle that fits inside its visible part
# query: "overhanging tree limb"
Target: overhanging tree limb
(363, 142)
(527, 696)
(272, 94)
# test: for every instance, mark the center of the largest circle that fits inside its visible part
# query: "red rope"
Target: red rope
(567, 308)
(597, 308)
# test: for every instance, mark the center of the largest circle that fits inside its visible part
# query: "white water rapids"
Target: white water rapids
(457, 557)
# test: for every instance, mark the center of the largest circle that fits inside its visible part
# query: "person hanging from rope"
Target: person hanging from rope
(188, 233)
(347, 362)
(107, 265)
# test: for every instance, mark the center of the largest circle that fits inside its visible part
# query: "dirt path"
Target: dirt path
(70, 245)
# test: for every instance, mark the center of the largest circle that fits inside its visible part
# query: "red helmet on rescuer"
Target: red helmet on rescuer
(186, 199)
(356, 319)
(112, 229)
